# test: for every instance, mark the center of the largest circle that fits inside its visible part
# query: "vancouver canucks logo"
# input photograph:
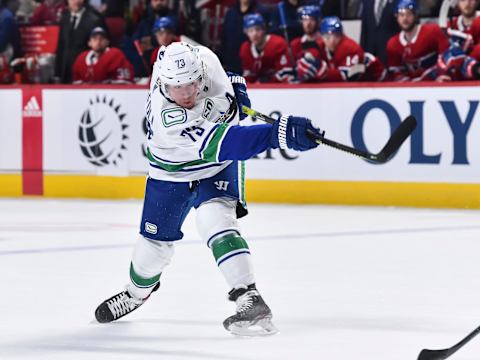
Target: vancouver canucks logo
(102, 133)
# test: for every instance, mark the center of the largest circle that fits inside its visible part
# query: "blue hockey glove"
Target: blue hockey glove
(307, 67)
(297, 133)
(452, 57)
(240, 87)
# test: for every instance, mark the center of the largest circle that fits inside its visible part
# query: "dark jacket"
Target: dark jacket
(72, 43)
(9, 33)
(233, 35)
(374, 37)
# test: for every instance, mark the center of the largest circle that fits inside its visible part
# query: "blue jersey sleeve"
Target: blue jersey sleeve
(244, 142)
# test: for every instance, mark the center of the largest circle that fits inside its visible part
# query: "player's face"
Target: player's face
(309, 25)
(165, 37)
(332, 41)
(467, 7)
(256, 35)
(406, 19)
(158, 5)
(98, 43)
(184, 95)
(75, 5)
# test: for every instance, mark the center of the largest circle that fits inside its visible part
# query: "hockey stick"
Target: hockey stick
(426, 354)
(444, 11)
(390, 148)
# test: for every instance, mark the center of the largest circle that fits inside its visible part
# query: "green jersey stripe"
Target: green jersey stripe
(210, 153)
(173, 168)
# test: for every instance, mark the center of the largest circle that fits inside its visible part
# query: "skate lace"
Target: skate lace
(121, 305)
(245, 302)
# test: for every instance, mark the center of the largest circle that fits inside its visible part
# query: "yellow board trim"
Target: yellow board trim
(433, 195)
(11, 185)
(97, 187)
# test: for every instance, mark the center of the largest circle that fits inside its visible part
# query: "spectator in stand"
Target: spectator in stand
(294, 28)
(412, 53)
(378, 26)
(264, 57)
(25, 11)
(76, 25)
(164, 31)
(232, 34)
(346, 60)
(308, 50)
(102, 64)
(143, 38)
(113, 8)
(10, 46)
(48, 12)
(6, 73)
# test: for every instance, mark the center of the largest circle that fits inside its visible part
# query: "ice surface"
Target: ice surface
(343, 283)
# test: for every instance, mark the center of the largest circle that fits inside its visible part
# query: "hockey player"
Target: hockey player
(412, 54)
(345, 58)
(460, 29)
(308, 49)
(164, 30)
(264, 56)
(195, 152)
(102, 64)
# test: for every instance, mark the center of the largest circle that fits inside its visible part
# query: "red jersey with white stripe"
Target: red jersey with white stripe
(303, 44)
(475, 30)
(111, 66)
(269, 65)
(347, 54)
(416, 59)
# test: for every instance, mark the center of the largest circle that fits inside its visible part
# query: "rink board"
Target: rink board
(92, 144)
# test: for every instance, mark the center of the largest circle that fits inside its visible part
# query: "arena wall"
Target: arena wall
(70, 141)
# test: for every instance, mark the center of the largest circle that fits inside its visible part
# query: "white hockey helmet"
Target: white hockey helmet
(179, 64)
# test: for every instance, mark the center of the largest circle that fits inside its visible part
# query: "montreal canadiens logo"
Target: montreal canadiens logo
(102, 133)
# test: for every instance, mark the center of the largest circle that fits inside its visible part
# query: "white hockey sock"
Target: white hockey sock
(149, 258)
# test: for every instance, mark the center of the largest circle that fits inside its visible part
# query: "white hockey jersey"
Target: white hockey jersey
(183, 144)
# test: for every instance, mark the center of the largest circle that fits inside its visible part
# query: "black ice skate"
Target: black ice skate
(253, 316)
(118, 306)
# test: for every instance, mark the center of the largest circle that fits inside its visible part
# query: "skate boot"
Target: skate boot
(118, 306)
(253, 317)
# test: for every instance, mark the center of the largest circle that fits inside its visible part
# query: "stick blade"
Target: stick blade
(397, 139)
(426, 354)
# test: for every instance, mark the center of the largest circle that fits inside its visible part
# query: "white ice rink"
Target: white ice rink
(344, 283)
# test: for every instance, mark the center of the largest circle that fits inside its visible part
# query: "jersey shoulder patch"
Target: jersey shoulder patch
(208, 108)
(173, 116)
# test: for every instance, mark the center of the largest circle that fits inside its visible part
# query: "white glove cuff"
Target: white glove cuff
(282, 132)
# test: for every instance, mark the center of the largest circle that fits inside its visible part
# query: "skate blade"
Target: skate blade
(262, 327)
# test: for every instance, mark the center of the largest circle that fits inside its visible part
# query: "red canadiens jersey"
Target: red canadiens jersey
(347, 54)
(475, 30)
(374, 69)
(303, 44)
(476, 52)
(110, 67)
(460, 33)
(270, 65)
(416, 60)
